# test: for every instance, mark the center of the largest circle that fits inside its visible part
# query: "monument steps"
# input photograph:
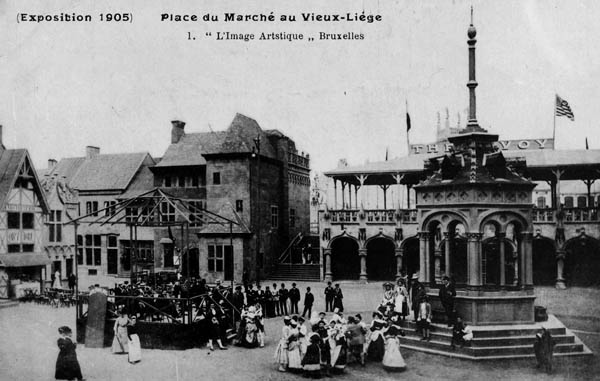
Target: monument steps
(493, 342)
(296, 272)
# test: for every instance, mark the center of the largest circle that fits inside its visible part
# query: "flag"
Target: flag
(387, 149)
(563, 108)
(586, 144)
(407, 121)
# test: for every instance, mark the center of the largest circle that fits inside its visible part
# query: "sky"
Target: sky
(118, 85)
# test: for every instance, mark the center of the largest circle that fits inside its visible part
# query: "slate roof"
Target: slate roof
(238, 138)
(102, 172)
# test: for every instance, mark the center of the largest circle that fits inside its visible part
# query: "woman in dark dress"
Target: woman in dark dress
(311, 363)
(214, 326)
(67, 366)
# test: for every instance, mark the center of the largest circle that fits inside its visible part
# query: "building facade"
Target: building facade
(23, 210)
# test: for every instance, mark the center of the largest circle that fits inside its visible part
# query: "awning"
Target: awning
(24, 260)
(166, 240)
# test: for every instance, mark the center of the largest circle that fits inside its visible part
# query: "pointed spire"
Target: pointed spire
(472, 124)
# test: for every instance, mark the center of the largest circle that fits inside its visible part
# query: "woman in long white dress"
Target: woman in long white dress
(281, 353)
(294, 348)
(120, 343)
(401, 302)
(392, 359)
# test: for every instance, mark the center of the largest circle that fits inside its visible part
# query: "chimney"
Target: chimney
(91, 152)
(177, 131)
(51, 164)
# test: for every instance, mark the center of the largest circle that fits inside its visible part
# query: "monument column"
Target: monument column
(327, 256)
(399, 256)
(560, 266)
(423, 254)
(438, 264)
(474, 258)
(527, 258)
(362, 253)
(447, 254)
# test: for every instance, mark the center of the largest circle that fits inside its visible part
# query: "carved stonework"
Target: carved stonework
(481, 196)
(451, 197)
(474, 236)
(438, 197)
(464, 196)
(497, 196)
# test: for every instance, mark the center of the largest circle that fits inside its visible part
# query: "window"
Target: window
(80, 250)
(195, 181)
(167, 212)
(112, 254)
(216, 178)
(274, 217)
(145, 250)
(20, 220)
(167, 181)
(541, 202)
(91, 207)
(109, 208)
(55, 226)
(182, 181)
(196, 207)
(216, 257)
(131, 214)
(92, 247)
(239, 205)
(568, 202)
(28, 248)
(14, 248)
(292, 217)
(581, 202)
(92, 272)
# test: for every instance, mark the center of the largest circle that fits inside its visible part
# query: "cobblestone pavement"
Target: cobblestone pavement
(28, 349)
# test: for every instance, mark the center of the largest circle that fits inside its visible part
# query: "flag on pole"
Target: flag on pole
(387, 152)
(563, 108)
(407, 121)
(586, 143)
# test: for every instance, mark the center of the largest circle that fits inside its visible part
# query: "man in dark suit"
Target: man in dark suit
(309, 299)
(447, 295)
(237, 299)
(283, 297)
(329, 297)
(261, 299)
(294, 295)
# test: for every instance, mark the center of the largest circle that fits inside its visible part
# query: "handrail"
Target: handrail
(287, 250)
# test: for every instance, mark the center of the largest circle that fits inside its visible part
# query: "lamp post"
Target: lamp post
(256, 153)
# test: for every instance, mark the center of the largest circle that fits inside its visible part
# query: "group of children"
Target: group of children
(333, 344)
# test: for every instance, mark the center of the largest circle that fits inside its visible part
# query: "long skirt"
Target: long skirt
(135, 350)
(67, 367)
(294, 359)
(281, 353)
(393, 360)
(120, 341)
(376, 348)
(339, 356)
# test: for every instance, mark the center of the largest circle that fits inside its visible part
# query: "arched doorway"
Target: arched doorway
(582, 262)
(410, 260)
(345, 262)
(544, 262)
(381, 259)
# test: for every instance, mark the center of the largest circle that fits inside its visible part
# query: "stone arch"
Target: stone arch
(445, 218)
(343, 235)
(345, 261)
(410, 258)
(503, 219)
(381, 257)
(544, 260)
(582, 261)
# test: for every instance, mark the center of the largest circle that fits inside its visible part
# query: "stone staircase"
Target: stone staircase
(495, 342)
(296, 272)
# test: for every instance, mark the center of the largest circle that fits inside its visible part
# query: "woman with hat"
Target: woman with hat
(388, 294)
(249, 335)
(376, 345)
(401, 300)
(293, 347)
(135, 349)
(339, 346)
(67, 366)
(311, 363)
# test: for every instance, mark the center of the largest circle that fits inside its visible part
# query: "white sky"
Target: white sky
(68, 85)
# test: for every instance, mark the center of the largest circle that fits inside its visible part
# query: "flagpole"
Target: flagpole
(554, 127)
(407, 132)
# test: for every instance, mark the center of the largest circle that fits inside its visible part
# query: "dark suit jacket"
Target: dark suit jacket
(309, 299)
(294, 295)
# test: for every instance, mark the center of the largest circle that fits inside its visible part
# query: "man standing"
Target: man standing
(261, 298)
(283, 296)
(275, 293)
(309, 299)
(294, 295)
(447, 294)
(72, 282)
(237, 300)
(329, 297)
(337, 298)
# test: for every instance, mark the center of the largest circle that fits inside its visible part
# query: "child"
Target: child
(424, 318)
(311, 363)
(67, 366)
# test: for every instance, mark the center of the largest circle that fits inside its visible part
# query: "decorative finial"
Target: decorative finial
(471, 15)
(472, 32)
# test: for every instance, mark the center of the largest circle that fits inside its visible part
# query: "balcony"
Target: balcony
(299, 160)
(373, 216)
(572, 215)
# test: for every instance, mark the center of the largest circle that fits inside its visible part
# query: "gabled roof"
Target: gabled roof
(11, 161)
(238, 138)
(102, 172)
